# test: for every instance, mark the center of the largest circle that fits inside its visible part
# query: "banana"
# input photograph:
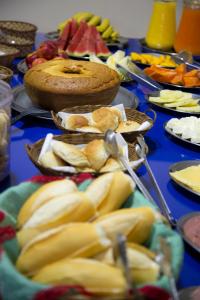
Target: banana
(84, 16)
(107, 33)
(104, 25)
(94, 21)
(62, 25)
(115, 35)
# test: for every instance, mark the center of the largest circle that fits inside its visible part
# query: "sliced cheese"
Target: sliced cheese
(190, 177)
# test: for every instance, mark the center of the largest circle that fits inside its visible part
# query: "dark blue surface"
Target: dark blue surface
(163, 151)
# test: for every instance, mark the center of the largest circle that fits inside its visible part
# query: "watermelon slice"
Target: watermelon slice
(87, 43)
(100, 47)
(76, 38)
(63, 40)
(74, 28)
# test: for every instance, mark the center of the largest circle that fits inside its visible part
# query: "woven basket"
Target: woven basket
(5, 74)
(131, 114)
(18, 29)
(76, 139)
(9, 54)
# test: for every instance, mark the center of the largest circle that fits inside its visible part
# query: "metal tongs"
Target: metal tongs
(121, 259)
(141, 150)
(163, 258)
(113, 149)
(185, 57)
(138, 74)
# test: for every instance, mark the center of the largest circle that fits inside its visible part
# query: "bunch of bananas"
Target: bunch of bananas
(102, 25)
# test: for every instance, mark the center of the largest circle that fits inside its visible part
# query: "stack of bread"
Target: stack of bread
(92, 157)
(99, 121)
(67, 236)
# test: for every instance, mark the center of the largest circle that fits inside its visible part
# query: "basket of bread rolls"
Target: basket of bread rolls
(63, 237)
(77, 153)
(95, 120)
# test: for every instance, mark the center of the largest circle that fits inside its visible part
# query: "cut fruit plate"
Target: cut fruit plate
(185, 129)
(177, 101)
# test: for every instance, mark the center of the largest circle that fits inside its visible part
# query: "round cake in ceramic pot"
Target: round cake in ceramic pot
(61, 83)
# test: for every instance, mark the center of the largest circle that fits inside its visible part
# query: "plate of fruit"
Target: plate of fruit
(103, 25)
(175, 100)
(178, 78)
(144, 60)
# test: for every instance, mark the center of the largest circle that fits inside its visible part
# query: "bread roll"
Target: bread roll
(72, 240)
(91, 129)
(112, 165)
(105, 119)
(116, 112)
(70, 153)
(45, 193)
(76, 121)
(96, 154)
(49, 160)
(134, 223)
(106, 194)
(128, 126)
(96, 277)
(73, 207)
(142, 266)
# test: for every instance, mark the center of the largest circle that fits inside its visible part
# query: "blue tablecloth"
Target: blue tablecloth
(163, 151)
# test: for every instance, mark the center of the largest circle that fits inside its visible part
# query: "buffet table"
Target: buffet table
(163, 151)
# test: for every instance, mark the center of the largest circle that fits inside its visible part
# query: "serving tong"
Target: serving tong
(185, 57)
(138, 74)
(113, 148)
(163, 258)
(121, 259)
(141, 150)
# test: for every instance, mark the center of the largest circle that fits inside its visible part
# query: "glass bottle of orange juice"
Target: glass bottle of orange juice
(162, 26)
(188, 36)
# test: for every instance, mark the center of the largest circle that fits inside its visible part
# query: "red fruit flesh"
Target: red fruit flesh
(74, 28)
(87, 43)
(100, 46)
(77, 37)
(64, 38)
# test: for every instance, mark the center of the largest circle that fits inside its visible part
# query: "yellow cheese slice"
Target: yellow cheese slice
(190, 177)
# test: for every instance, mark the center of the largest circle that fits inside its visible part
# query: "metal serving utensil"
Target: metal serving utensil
(29, 111)
(186, 58)
(163, 258)
(138, 74)
(141, 150)
(113, 149)
(120, 257)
